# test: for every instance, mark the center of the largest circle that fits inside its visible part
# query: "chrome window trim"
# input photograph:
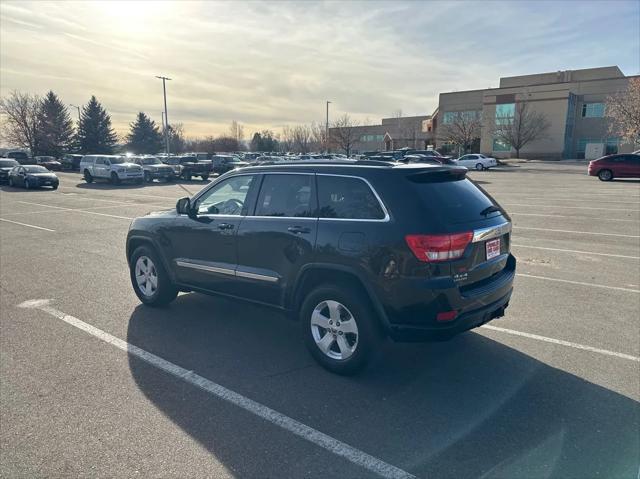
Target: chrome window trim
(202, 267)
(484, 234)
(386, 218)
(290, 218)
(260, 277)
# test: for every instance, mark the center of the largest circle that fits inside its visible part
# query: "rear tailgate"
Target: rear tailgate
(456, 204)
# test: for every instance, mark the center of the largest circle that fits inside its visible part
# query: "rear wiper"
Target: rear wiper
(489, 209)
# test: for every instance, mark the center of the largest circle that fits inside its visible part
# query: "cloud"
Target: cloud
(269, 64)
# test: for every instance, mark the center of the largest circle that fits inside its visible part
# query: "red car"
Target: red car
(49, 162)
(616, 166)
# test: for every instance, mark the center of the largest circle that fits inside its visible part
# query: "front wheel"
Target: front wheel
(88, 177)
(339, 328)
(479, 167)
(115, 179)
(150, 280)
(605, 175)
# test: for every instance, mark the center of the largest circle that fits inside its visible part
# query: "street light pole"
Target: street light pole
(326, 130)
(78, 108)
(166, 117)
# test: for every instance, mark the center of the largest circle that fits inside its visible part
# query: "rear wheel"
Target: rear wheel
(150, 280)
(479, 166)
(147, 177)
(605, 175)
(339, 328)
(87, 176)
(115, 179)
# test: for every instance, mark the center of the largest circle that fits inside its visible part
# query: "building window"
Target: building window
(505, 113)
(499, 145)
(366, 138)
(448, 117)
(467, 115)
(611, 147)
(592, 110)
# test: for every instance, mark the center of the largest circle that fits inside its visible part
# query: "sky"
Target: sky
(270, 64)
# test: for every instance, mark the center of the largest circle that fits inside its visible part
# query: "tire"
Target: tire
(27, 185)
(87, 176)
(147, 177)
(115, 180)
(187, 176)
(605, 175)
(204, 177)
(329, 303)
(164, 291)
(479, 167)
(54, 187)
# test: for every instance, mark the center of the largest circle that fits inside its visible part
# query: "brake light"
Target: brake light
(434, 248)
(446, 316)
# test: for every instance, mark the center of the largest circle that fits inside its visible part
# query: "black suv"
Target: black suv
(187, 167)
(355, 250)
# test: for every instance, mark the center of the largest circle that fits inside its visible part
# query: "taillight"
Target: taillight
(434, 248)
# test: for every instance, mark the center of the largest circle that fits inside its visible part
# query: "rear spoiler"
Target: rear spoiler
(438, 174)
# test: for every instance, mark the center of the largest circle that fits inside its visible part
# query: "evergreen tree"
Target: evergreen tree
(95, 134)
(144, 136)
(55, 128)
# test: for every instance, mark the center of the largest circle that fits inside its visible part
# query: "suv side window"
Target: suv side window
(347, 197)
(286, 195)
(100, 160)
(226, 198)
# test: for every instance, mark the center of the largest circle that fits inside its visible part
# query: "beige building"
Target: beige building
(572, 101)
(390, 134)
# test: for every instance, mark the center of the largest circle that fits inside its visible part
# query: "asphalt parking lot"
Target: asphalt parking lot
(92, 384)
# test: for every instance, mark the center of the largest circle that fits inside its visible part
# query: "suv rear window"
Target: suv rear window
(348, 198)
(454, 201)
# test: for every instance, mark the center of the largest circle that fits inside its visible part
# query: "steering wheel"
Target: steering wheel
(232, 206)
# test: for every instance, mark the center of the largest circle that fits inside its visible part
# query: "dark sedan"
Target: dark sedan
(49, 162)
(6, 165)
(32, 176)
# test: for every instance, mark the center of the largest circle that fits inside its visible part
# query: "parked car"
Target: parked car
(615, 166)
(110, 167)
(224, 163)
(154, 169)
(477, 161)
(354, 250)
(20, 156)
(32, 176)
(71, 162)
(187, 167)
(6, 165)
(49, 162)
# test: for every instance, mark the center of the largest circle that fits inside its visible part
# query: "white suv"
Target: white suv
(110, 167)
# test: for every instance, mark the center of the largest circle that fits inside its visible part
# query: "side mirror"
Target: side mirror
(183, 207)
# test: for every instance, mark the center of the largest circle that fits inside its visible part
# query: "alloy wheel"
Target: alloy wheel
(334, 330)
(146, 276)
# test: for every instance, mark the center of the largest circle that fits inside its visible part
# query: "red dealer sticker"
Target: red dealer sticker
(493, 248)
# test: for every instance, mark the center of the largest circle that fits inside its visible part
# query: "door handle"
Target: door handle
(225, 226)
(298, 229)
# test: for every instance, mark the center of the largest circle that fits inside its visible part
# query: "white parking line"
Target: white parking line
(576, 251)
(580, 283)
(579, 200)
(77, 210)
(312, 435)
(561, 342)
(106, 191)
(574, 217)
(578, 232)
(568, 207)
(30, 226)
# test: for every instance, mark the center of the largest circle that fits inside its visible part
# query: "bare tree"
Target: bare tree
(236, 131)
(318, 136)
(623, 112)
(286, 139)
(343, 134)
(21, 113)
(463, 131)
(301, 138)
(522, 128)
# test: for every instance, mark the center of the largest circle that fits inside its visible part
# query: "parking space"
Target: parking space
(552, 390)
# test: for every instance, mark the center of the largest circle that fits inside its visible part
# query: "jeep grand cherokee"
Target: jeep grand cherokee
(355, 250)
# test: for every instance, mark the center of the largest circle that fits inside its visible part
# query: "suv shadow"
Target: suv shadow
(471, 407)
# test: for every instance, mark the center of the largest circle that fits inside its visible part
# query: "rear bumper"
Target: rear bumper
(464, 322)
